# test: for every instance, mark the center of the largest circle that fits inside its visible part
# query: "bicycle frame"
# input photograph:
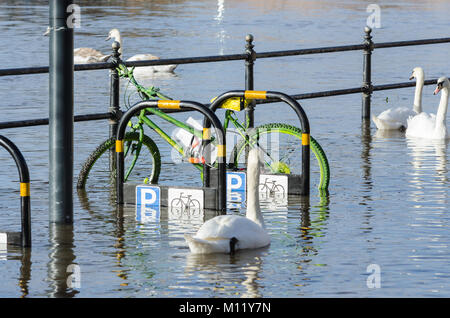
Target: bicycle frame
(143, 119)
(152, 93)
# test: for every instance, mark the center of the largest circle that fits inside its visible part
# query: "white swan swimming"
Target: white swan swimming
(228, 233)
(431, 126)
(86, 55)
(397, 118)
(115, 34)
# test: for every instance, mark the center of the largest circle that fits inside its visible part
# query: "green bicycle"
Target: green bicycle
(281, 144)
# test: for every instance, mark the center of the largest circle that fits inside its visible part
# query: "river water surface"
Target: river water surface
(388, 204)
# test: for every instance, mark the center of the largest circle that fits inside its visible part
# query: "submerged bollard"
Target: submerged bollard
(61, 114)
(24, 237)
(367, 74)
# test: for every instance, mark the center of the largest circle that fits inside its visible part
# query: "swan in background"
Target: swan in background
(228, 233)
(431, 126)
(115, 34)
(86, 55)
(396, 118)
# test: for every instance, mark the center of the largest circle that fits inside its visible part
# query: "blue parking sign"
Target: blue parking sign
(148, 203)
(236, 181)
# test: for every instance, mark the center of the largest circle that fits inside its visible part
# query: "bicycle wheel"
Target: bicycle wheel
(194, 207)
(97, 171)
(177, 203)
(282, 146)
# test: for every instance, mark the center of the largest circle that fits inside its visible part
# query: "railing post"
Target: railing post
(367, 74)
(60, 114)
(249, 85)
(114, 100)
(249, 82)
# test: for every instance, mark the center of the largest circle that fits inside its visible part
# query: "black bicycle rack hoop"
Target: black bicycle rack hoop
(22, 238)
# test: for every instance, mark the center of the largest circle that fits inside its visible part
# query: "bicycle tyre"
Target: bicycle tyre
(103, 149)
(291, 130)
(194, 204)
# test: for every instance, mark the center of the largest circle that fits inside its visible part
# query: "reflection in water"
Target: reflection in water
(318, 224)
(221, 270)
(388, 134)
(25, 271)
(63, 274)
(16, 253)
(426, 156)
(219, 17)
(366, 141)
(119, 229)
(120, 247)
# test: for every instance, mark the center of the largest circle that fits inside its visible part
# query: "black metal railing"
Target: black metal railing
(249, 56)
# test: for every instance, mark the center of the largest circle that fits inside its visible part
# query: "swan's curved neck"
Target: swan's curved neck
(118, 38)
(418, 94)
(253, 209)
(442, 110)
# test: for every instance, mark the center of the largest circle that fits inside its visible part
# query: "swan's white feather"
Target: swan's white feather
(431, 126)
(393, 118)
(215, 234)
(397, 118)
(85, 55)
(150, 69)
(143, 70)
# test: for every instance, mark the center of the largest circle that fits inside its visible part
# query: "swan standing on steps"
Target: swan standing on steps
(228, 233)
(432, 126)
(115, 34)
(397, 118)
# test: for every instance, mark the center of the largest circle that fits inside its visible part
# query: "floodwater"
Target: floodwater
(383, 231)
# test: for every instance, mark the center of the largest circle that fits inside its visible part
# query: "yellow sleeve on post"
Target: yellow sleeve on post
(119, 145)
(221, 151)
(24, 189)
(305, 139)
(255, 94)
(171, 104)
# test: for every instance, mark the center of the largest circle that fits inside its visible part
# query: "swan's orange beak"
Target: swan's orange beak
(437, 90)
(411, 77)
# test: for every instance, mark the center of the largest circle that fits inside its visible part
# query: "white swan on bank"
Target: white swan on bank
(229, 233)
(431, 126)
(397, 118)
(115, 34)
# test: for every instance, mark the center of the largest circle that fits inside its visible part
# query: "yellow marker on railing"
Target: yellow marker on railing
(24, 189)
(305, 139)
(255, 94)
(172, 104)
(221, 151)
(119, 145)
